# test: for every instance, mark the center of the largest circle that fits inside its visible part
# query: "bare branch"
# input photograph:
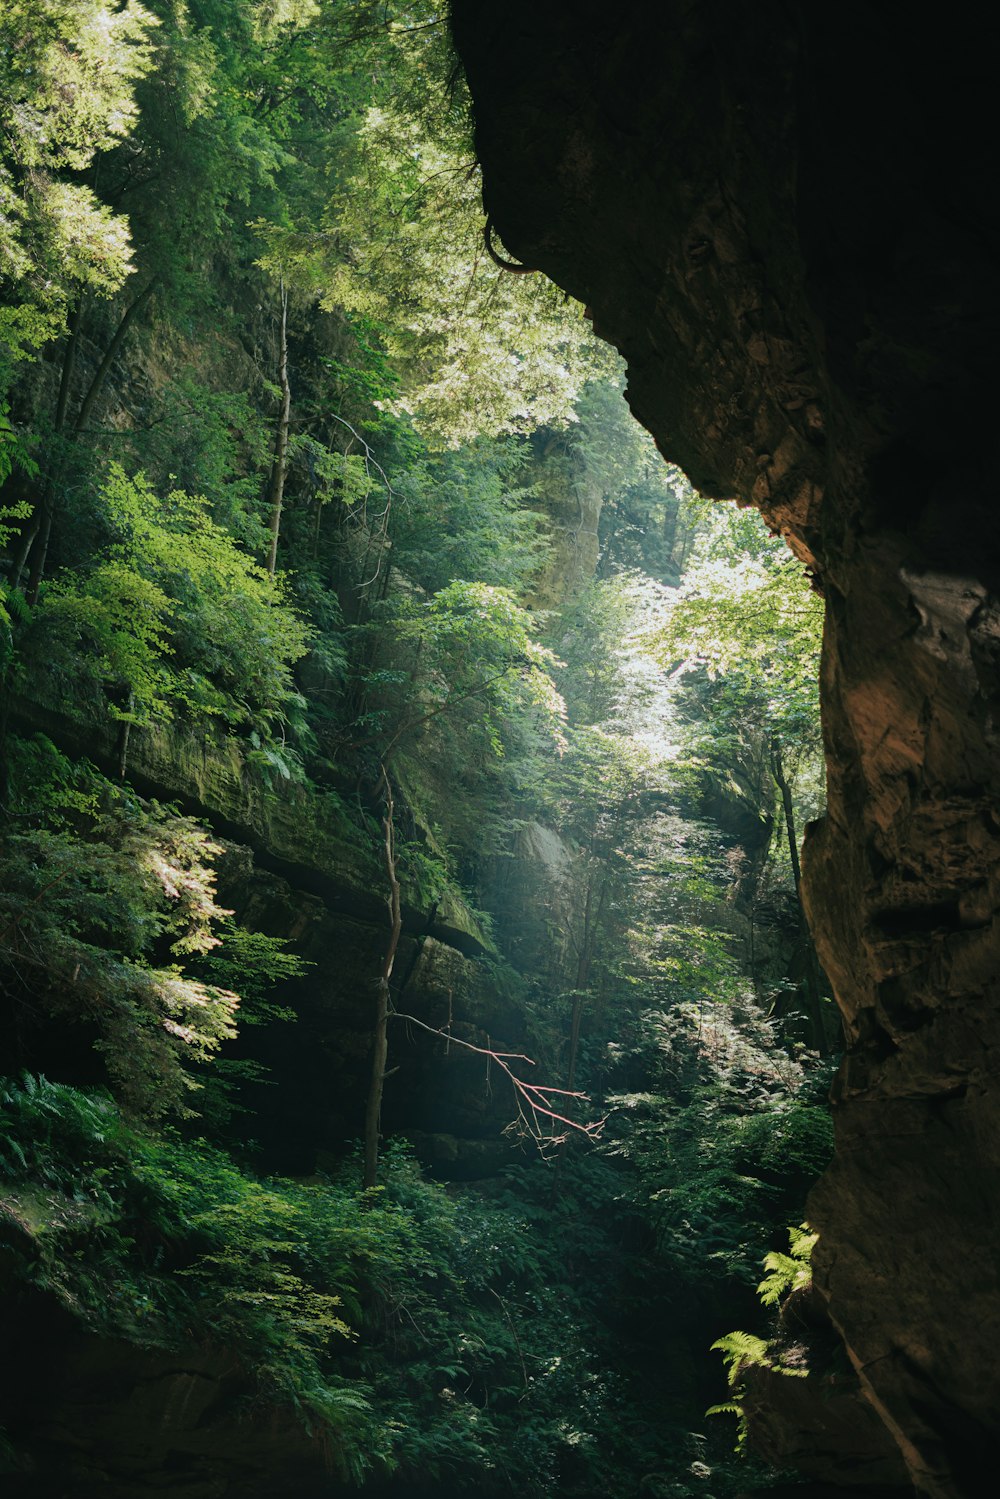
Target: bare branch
(534, 1097)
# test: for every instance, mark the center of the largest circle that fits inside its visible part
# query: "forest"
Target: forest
(415, 1056)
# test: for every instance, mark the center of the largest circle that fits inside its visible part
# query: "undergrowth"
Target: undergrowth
(461, 1342)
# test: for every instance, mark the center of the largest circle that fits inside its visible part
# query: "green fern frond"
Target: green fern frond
(783, 1275)
(734, 1408)
(802, 1241)
(18, 605)
(788, 1272)
(726, 1408)
(740, 1348)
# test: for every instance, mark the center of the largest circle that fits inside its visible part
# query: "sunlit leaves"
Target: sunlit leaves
(68, 70)
(100, 915)
(788, 1272)
(478, 654)
(401, 245)
(742, 643)
(121, 619)
(76, 62)
(173, 616)
(749, 618)
(482, 351)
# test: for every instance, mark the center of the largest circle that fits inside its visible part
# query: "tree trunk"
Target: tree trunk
(812, 979)
(124, 734)
(276, 491)
(36, 543)
(785, 790)
(588, 946)
(582, 970)
(110, 353)
(41, 520)
(380, 1044)
(69, 365)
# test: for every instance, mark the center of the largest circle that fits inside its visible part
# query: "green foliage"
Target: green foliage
(173, 616)
(161, 1243)
(602, 782)
(730, 1144)
(477, 676)
(742, 1350)
(401, 247)
(745, 613)
(742, 639)
(105, 902)
(209, 442)
(590, 629)
(49, 788)
(510, 354)
(67, 93)
(463, 1339)
(739, 1349)
(788, 1272)
(650, 511)
(13, 455)
(467, 515)
(256, 962)
(452, 1341)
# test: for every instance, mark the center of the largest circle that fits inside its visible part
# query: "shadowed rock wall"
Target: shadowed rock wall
(784, 218)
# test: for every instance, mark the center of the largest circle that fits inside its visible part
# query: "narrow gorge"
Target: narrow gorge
(487, 924)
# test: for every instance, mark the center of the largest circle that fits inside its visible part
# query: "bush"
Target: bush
(170, 616)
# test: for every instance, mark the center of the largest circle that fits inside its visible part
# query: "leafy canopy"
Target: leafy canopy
(173, 616)
(400, 248)
(68, 72)
(744, 615)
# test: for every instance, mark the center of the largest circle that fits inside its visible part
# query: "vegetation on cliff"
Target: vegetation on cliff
(318, 519)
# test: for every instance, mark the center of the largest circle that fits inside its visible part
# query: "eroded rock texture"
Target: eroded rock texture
(785, 217)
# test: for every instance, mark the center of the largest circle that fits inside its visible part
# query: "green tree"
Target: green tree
(105, 902)
(745, 631)
(475, 666)
(602, 795)
(170, 616)
(403, 246)
(68, 71)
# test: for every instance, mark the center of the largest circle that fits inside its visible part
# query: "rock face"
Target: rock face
(570, 501)
(100, 1418)
(821, 1424)
(779, 215)
(118, 1423)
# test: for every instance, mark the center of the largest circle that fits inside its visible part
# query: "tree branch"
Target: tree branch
(533, 1096)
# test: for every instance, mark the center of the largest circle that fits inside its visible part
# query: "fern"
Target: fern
(739, 1349)
(342, 1418)
(726, 1408)
(788, 1272)
(734, 1408)
(802, 1241)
